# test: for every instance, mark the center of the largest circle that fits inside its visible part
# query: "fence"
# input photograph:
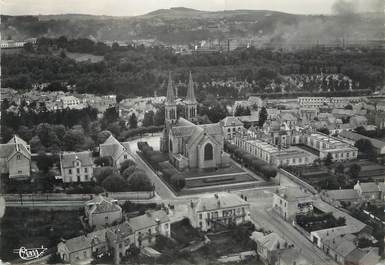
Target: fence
(297, 180)
(136, 195)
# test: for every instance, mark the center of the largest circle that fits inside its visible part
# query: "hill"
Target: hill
(184, 25)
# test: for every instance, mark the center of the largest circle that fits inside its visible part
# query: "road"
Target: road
(262, 215)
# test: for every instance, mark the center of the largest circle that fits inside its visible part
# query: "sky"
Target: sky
(139, 7)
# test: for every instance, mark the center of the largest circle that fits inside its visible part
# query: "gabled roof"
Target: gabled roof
(112, 147)
(170, 91)
(14, 146)
(270, 241)
(293, 194)
(355, 137)
(148, 220)
(288, 117)
(85, 241)
(368, 187)
(68, 159)
(231, 121)
(343, 194)
(219, 201)
(343, 245)
(190, 98)
(101, 204)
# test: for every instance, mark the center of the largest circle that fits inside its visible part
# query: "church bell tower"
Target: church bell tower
(191, 103)
(170, 106)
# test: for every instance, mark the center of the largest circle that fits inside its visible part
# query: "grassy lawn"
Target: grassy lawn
(233, 168)
(212, 181)
(40, 228)
(184, 233)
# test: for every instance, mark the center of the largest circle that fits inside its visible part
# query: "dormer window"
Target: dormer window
(18, 157)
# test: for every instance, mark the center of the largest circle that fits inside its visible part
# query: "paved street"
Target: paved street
(262, 216)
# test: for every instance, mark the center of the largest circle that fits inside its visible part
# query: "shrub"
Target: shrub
(100, 174)
(115, 183)
(128, 172)
(178, 181)
(139, 181)
(126, 164)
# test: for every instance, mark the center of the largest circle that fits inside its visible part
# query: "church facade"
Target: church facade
(191, 146)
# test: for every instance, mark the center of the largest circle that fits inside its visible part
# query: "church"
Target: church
(191, 146)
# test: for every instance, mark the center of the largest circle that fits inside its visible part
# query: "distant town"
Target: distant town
(212, 152)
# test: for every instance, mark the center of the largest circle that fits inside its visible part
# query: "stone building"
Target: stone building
(190, 145)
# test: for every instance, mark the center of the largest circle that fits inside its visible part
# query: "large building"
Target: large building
(76, 166)
(219, 210)
(15, 158)
(325, 144)
(259, 147)
(190, 145)
(291, 201)
(336, 102)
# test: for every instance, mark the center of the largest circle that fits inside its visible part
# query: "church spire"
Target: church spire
(170, 90)
(190, 98)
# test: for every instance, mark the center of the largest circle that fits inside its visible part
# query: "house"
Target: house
(116, 150)
(187, 144)
(340, 247)
(366, 256)
(341, 195)
(378, 145)
(269, 247)
(76, 166)
(212, 212)
(117, 240)
(71, 102)
(290, 201)
(83, 247)
(230, 126)
(368, 190)
(292, 256)
(102, 211)
(15, 158)
(147, 226)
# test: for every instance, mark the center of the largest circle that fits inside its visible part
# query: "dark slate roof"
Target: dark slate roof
(68, 159)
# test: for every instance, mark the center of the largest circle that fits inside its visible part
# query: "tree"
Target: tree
(328, 159)
(354, 171)
(73, 140)
(133, 121)
(126, 164)
(159, 116)
(365, 146)
(102, 136)
(178, 181)
(115, 183)
(148, 118)
(242, 111)
(102, 173)
(324, 130)
(262, 117)
(128, 172)
(104, 161)
(349, 107)
(340, 169)
(139, 181)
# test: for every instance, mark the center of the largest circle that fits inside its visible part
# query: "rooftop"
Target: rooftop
(219, 201)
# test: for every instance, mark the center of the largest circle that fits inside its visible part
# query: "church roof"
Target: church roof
(170, 91)
(190, 98)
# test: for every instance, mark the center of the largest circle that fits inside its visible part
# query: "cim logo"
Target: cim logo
(30, 253)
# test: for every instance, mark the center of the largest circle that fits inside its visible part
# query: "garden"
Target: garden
(42, 228)
(318, 220)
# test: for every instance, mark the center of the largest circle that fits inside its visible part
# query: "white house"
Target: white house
(218, 210)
